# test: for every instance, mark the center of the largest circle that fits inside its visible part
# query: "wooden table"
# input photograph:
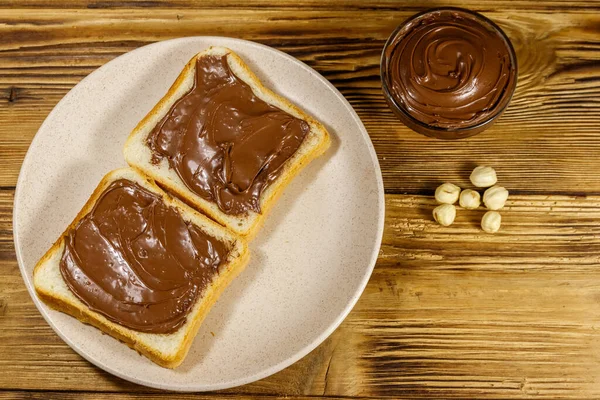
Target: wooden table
(448, 312)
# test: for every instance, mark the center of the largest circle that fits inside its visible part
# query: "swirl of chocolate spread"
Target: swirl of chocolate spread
(448, 70)
(136, 261)
(225, 143)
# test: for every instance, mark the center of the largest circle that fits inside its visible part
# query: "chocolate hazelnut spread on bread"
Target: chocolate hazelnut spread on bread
(136, 261)
(225, 143)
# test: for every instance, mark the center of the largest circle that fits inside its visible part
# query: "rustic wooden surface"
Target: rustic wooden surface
(449, 312)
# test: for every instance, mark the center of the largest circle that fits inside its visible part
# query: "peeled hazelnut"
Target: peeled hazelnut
(447, 193)
(491, 221)
(469, 199)
(495, 197)
(483, 177)
(444, 214)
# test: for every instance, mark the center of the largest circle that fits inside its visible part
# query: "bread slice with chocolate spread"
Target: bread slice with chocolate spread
(223, 142)
(141, 266)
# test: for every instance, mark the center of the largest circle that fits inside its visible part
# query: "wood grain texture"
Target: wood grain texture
(449, 312)
(367, 5)
(43, 53)
(22, 395)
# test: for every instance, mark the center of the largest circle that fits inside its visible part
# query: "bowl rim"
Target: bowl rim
(401, 109)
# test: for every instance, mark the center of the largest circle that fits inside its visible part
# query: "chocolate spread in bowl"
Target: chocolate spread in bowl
(448, 69)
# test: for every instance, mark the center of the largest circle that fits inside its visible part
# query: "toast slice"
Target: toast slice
(139, 155)
(167, 350)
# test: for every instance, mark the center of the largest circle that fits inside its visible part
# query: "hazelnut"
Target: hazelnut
(444, 214)
(495, 197)
(483, 177)
(447, 193)
(469, 199)
(491, 221)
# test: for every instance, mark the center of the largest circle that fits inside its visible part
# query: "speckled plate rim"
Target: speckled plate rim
(274, 368)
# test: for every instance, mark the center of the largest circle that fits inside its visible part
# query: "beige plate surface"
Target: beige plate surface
(309, 264)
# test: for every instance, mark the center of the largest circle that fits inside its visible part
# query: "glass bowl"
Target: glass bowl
(441, 81)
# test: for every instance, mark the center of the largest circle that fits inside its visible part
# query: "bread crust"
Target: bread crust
(236, 262)
(247, 225)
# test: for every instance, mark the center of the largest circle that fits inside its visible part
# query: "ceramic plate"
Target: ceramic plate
(309, 263)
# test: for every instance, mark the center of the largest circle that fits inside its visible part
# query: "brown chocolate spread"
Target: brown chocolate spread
(136, 261)
(226, 144)
(449, 70)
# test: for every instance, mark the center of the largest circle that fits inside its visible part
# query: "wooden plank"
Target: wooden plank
(46, 53)
(449, 312)
(22, 395)
(331, 4)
